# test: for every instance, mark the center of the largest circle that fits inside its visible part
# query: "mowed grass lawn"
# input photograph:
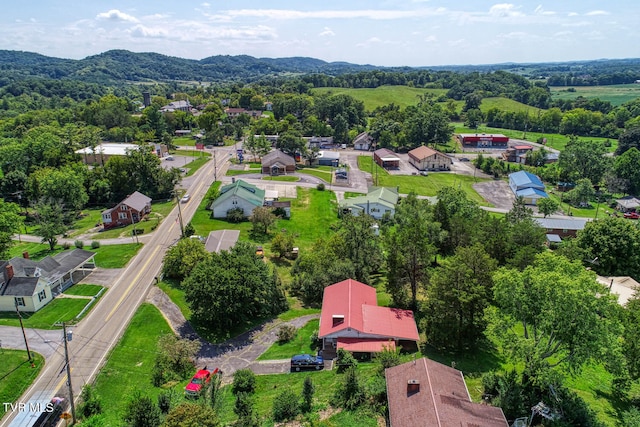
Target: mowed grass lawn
(84, 290)
(422, 185)
(58, 310)
(130, 364)
(16, 374)
(301, 344)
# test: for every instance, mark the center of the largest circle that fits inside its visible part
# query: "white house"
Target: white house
(31, 285)
(377, 202)
(239, 194)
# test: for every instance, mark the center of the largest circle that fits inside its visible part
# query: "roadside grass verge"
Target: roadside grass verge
(300, 344)
(91, 218)
(116, 256)
(176, 294)
(191, 153)
(325, 175)
(16, 374)
(84, 290)
(130, 363)
(192, 167)
(422, 185)
(284, 178)
(58, 310)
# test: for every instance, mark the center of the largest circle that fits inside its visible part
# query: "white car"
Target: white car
(185, 198)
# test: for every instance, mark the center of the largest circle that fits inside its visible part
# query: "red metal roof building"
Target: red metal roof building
(351, 319)
(483, 140)
(427, 393)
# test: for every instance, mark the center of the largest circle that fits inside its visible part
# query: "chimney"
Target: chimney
(337, 319)
(413, 386)
(9, 271)
(25, 255)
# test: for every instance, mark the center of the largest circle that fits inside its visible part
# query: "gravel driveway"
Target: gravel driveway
(496, 192)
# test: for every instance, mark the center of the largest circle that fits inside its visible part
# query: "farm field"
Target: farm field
(402, 96)
(616, 94)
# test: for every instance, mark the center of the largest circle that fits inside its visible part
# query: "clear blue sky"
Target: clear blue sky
(386, 33)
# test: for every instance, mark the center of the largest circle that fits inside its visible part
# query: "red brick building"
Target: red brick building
(130, 210)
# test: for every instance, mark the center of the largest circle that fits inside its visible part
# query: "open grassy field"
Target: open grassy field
(130, 363)
(421, 185)
(507, 104)
(301, 344)
(402, 96)
(615, 94)
(58, 310)
(16, 374)
(554, 140)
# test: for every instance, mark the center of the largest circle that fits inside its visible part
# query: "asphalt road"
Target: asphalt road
(101, 329)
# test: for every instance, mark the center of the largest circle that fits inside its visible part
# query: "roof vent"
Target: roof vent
(413, 386)
(337, 319)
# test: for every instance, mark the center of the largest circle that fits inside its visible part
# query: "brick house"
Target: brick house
(131, 210)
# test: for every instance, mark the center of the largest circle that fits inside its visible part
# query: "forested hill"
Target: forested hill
(117, 67)
(122, 66)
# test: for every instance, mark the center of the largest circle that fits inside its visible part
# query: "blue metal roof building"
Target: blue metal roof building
(527, 185)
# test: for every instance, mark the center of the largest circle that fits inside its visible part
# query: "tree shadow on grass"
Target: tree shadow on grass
(471, 363)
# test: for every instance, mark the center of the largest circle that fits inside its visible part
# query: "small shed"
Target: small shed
(386, 158)
(628, 204)
(328, 158)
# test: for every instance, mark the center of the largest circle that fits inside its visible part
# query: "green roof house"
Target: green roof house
(239, 194)
(377, 202)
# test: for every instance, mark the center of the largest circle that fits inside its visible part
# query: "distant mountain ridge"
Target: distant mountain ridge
(123, 66)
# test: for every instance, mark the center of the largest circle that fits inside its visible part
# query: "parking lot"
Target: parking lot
(496, 192)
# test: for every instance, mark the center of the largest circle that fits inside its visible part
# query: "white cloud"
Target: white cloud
(284, 14)
(116, 15)
(205, 5)
(540, 11)
(327, 32)
(573, 14)
(504, 10)
(577, 24)
(430, 39)
(597, 13)
(147, 32)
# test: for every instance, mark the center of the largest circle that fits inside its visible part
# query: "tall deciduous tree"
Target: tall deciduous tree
(262, 218)
(141, 411)
(50, 221)
(410, 247)
(358, 242)
(547, 206)
(10, 223)
(626, 169)
(459, 292)
(181, 258)
(554, 312)
(616, 244)
(583, 159)
(631, 343)
(232, 288)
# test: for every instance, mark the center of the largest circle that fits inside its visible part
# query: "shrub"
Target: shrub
(349, 394)
(164, 401)
(280, 212)
(285, 406)
(244, 381)
(235, 215)
(90, 402)
(79, 244)
(388, 357)
(66, 245)
(320, 187)
(345, 360)
(308, 389)
(286, 333)
(95, 244)
(315, 342)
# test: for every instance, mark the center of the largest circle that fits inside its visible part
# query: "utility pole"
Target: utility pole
(66, 359)
(180, 216)
(24, 335)
(215, 166)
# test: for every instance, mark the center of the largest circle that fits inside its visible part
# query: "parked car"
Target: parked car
(632, 215)
(185, 198)
(306, 361)
(169, 158)
(424, 173)
(199, 382)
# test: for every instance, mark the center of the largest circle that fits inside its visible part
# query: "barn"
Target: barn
(386, 159)
(482, 140)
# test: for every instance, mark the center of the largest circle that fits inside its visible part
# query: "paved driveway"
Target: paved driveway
(496, 192)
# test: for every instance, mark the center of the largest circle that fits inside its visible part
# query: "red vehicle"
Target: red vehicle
(199, 382)
(632, 215)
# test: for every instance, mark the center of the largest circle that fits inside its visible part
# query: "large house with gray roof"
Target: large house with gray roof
(237, 195)
(131, 210)
(30, 285)
(278, 163)
(377, 202)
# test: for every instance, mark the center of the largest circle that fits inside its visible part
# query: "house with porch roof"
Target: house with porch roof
(351, 319)
(239, 194)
